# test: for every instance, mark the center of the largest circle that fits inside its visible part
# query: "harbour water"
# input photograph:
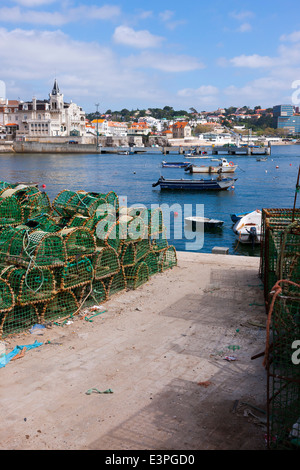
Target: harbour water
(260, 184)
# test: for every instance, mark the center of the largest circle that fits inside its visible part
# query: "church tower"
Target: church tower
(56, 98)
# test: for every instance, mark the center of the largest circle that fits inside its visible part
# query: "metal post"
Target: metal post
(97, 105)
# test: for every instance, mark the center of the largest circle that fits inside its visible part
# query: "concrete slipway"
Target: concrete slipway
(161, 350)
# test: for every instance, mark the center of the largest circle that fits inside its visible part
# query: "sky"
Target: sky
(136, 55)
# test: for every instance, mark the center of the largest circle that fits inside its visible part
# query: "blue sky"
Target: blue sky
(132, 54)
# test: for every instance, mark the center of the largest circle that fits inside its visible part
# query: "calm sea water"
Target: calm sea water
(259, 185)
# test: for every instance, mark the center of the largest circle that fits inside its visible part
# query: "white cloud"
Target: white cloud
(202, 91)
(171, 63)
(241, 15)
(244, 28)
(252, 61)
(86, 71)
(138, 39)
(2, 89)
(34, 3)
(56, 18)
(205, 95)
(166, 15)
(292, 37)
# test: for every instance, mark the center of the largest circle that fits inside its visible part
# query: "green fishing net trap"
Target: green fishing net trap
(78, 251)
(280, 273)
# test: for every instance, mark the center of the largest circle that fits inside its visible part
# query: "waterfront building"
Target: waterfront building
(108, 128)
(8, 116)
(117, 129)
(285, 118)
(139, 128)
(51, 117)
(181, 129)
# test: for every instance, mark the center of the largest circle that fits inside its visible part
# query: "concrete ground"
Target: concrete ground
(161, 350)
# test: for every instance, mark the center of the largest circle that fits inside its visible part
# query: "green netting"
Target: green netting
(92, 248)
(103, 228)
(44, 222)
(12, 241)
(167, 258)
(78, 241)
(116, 236)
(128, 254)
(76, 272)
(78, 221)
(19, 246)
(4, 185)
(115, 283)
(280, 247)
(142, 247)
(68, 203)
(113, 200)
(284, 374)
(159, 241)
(33, 202)
(151, 260)
(99, 293)
(105, 262)
(7, 299)
(137, 275)
(63, 304)
(19, 319)
(11, 212)
(31, 285)
(155, 221)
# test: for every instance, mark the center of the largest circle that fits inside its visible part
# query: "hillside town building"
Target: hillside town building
(52, 117)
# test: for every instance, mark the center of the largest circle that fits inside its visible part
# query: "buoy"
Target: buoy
(43, 186)
(175, 214)
(277, 166)
(232, 187)
(290, 164)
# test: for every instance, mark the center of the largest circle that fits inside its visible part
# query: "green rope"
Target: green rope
(91, 390)
(89, 318)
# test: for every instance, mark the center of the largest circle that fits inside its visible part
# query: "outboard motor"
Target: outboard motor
(252, 235)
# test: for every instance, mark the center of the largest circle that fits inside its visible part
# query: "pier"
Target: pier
(241, 150)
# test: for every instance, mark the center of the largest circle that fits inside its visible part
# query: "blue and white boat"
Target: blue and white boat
(175, 164)
(216, 184)
(236, 217)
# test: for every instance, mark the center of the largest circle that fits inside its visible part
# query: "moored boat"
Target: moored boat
(216, 184)
(236, 217)
(224, 167)
(174, 164)
(248, 228)
(198, 223)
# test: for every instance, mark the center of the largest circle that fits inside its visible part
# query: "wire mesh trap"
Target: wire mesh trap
(283, 372)
(78, 241)
(19, 319)
(31, 285)
(75, 273)
(137, 275)
(63, 305)
(105, 262)
(80, 250)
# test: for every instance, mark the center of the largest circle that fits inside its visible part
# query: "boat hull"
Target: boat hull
(212, 169)
(175, 164)
(198, 223)
(195, 185)
(248, 229)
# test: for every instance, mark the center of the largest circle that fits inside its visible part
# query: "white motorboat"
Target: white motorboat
(198, 223)
(223, 167)
(248, 228)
